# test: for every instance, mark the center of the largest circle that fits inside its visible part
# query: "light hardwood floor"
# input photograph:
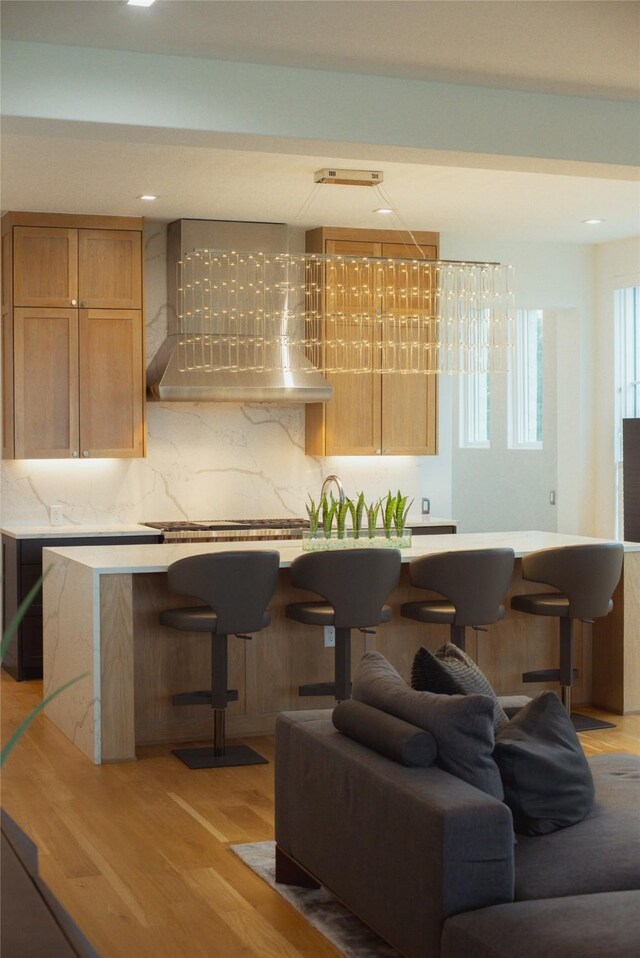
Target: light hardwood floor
(138, 852)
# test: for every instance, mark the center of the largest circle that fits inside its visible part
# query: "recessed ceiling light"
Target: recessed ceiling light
(383, 209)
(140, 3)
(147, 196)
(593, 222)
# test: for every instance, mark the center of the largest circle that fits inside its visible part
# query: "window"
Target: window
(627, 322)
(525, 382)
(475, 407)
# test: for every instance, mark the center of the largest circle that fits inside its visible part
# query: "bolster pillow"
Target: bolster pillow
(386, 734)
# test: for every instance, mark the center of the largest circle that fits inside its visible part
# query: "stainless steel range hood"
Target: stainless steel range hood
(170, 383)
(167, 378)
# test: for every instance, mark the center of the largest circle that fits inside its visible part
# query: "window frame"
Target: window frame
(525, 393)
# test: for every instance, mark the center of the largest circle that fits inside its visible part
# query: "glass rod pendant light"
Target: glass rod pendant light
(257, 311)
(292, 312)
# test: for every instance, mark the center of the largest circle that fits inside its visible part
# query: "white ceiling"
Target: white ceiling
(584, 48)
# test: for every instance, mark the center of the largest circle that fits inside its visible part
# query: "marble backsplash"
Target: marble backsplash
(206, 460)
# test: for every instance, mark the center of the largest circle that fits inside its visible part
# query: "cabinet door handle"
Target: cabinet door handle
(84, 304)
(75, 453)
(378, 451)
(74, 302)
(85, 452)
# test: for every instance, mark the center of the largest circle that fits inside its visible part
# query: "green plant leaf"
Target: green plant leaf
(389, 513)
(328, 513)
(26, 722)
(372, 517)
(313, 511)
(341, 512)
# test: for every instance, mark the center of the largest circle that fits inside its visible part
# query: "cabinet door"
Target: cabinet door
(111, 383)
(46, 383)
(409, 414)
(45, 262)
(110, 267)
(409, 400)
(352, 415)
(408, 250)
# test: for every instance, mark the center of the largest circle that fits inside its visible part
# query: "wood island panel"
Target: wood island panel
(135, 665)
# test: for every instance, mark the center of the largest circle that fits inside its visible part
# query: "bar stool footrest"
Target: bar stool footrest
(208, 757)
(318, 688)
(545, 675)
(201, 698)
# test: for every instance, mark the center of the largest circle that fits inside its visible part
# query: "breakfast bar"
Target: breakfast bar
(101, 608)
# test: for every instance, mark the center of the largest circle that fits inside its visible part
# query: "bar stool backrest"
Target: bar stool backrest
(586, 574)
(356, 582)
(236, 585)
(474, 581)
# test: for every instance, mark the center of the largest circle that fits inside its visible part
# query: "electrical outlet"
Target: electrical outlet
(552, 497)
(329, 636)
(426, 507)
(55, 515)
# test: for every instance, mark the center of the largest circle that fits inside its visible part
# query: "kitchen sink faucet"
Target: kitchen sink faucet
(327, 482)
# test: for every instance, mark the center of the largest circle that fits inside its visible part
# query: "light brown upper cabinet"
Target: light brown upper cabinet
(371, 413)
(73, 336)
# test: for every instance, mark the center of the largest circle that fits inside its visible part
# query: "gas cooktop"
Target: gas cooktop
(229, 530)
(188, 525)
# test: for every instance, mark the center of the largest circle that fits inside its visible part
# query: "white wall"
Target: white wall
(498, 488)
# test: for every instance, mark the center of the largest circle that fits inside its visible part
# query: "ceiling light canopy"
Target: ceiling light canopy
(148, 196)
(593, 222)
(140, 3)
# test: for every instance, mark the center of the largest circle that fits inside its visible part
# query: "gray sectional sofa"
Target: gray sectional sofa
(430, 862)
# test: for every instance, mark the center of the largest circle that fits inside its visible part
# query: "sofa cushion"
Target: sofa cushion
(462, 725)
(385, 733)
(588, 926)
(450, 671)
(546, 777)
(600, 853)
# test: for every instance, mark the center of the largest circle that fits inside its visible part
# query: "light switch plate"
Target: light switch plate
(426, 507)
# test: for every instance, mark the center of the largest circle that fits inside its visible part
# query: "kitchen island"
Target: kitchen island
(101, 607)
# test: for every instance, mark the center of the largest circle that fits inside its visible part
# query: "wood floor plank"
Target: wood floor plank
(138, 852)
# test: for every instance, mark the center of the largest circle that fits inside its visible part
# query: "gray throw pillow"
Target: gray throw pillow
(450, 671)
(386, 734)
(462, 725)
(546, 777)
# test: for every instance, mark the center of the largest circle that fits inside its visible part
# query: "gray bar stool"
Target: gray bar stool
(354, 584)
(237, 587)
(473, 583)
(586, 577)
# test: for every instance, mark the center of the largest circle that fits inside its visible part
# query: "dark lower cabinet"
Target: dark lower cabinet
(432, 530)
(631, 481)
(22, 567)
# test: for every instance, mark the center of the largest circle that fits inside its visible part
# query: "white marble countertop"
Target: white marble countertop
(23, 531)
(157, 557)
(19, 531)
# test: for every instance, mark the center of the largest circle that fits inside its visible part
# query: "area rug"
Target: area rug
(318, 906)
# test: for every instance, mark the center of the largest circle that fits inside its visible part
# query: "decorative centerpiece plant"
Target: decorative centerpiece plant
(392, 510)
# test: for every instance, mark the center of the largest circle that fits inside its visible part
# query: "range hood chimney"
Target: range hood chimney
(169, 381)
